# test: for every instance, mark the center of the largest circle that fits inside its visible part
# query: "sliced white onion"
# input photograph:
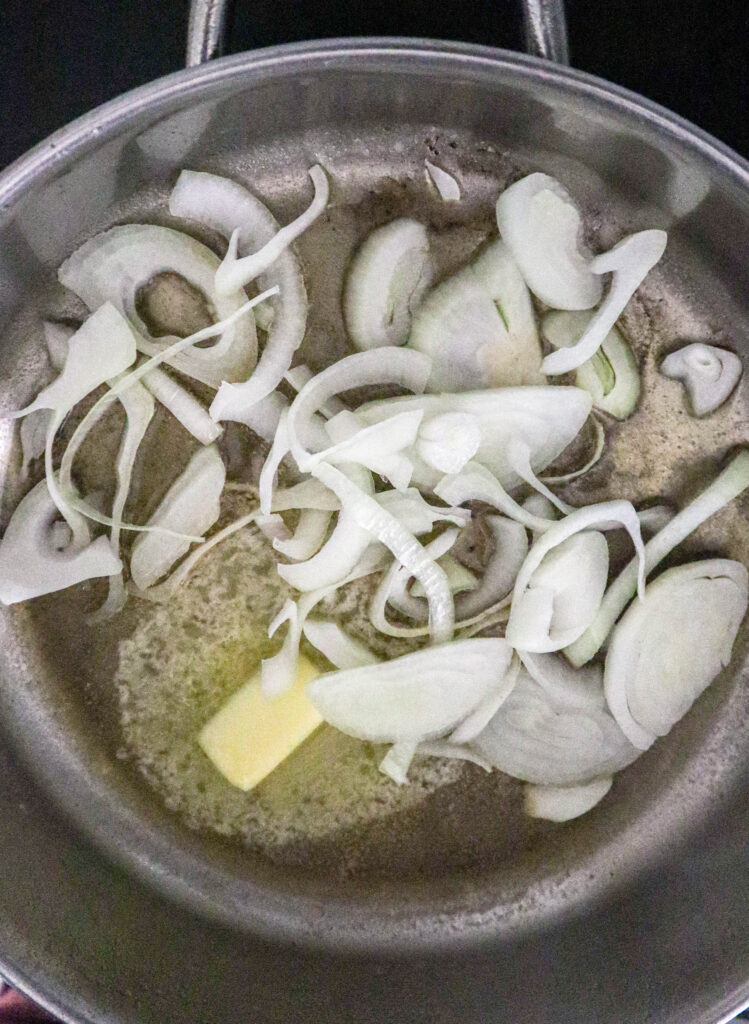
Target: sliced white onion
(306, 494)
(559, 587)
(451, 751)
(416, 697)
(727, 485)
(452, 325)
(33, 435)
(381, 366)
(535, 739)
(566, 686)
(386, 281)
(65, 474)
(139, 408)
(416, 514)
(563, 803)
(372, 446)
(278, 450)
(541, 225)
(190, 506)
(484, 711)
(31, 563)
(630, 261)
(166, 590)
(340, 554)
(500, 277)
(263, 416)
(309, 536)
(546, 418)
(235, 273)
(34, 426)
(654, 518)
(384, 527)
(378, 447)
(338, 647)
(459, 577)
(300, 375)
(102, 348)
(445, 184)
(519, 456)
(398, 760)
(478, 328)
(334, 561)
(668, 648)
(448, 441)
(709, 374)
(182, 405)
(393, 589)
(537, 505)
(510, 546)
(279, 673)
(225, 205)
(563, 478)
(56, 337)
(127, 380)
(562, 595)
(611, 375)
(476, 483)
(113, 266)
(273, 527)
(63, 487)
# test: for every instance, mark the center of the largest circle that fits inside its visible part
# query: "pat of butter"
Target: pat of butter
(252, 734)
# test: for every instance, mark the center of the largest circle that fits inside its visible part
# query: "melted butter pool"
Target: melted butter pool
(180, 664)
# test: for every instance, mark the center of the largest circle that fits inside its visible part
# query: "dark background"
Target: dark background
(60, 58)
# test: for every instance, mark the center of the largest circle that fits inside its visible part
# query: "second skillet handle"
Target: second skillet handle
(544, 27)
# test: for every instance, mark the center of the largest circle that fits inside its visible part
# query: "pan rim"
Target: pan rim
(94, 128)
(185, 87)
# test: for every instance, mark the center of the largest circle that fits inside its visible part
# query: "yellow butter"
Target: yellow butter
(251, 734)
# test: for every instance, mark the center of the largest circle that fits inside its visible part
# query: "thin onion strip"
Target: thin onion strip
(127, 380)
(476, 483)
(388, 530)
(725, 487)
(165, 591)
(235, 273)
(564, 478)
(378, 366)
(518, 454)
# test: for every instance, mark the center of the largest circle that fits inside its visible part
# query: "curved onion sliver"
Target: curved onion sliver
(113, 266)
(535, 739)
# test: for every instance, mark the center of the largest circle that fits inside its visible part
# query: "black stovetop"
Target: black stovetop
(60, 58)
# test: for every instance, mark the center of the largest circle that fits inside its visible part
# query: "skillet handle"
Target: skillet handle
(206, 30)
(544, 27)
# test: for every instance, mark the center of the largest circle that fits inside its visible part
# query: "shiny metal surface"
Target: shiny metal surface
(205, 30)
(112, 910)
(544, 26)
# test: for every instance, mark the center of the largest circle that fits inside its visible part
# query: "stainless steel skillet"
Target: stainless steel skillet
(112, 910)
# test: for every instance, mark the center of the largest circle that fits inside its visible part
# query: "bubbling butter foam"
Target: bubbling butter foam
(186, 657)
